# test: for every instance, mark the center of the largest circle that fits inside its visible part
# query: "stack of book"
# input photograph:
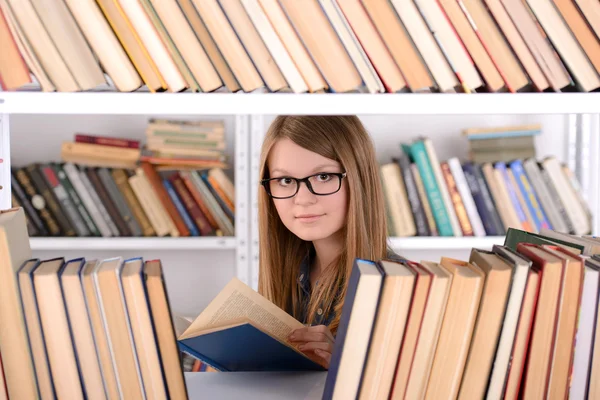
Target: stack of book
(502, 143)
(185, 144)
(66, 199)
(520, 321)
(425, 197)
(82, 328)
(301, 46)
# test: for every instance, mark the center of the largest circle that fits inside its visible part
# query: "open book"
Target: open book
(242, 331)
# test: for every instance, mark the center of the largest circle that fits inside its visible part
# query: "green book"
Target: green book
(515, 236)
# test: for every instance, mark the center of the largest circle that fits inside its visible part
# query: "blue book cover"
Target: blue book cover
(181, 209)
(245, 348)
(479, 199)
(530, 196)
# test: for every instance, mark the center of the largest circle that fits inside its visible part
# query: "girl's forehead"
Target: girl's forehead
(289, 158)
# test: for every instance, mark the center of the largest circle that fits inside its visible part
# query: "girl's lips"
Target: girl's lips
(308, 217)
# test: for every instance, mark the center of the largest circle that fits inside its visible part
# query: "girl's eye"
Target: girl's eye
(323, 177)
(285, 181)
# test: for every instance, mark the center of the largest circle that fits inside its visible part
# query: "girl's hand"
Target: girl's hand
(316, 342)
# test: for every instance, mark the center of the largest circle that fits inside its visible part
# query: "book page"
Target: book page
(238, 301)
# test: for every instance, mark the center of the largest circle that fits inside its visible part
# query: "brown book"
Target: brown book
(459, 206)
(409, 343)
(209, 45)
(122, 181)
(192, 208)
(36, 177)
(566, 324)
(19, 372)
(38, 202)
(581, 30)
(100, 334)
(399, 44)
(161, 193)
(522, 336)
(13, 70)
(539, 359)
(111, 208)
(165, 332)
(498, 278)
(129, 39)
(118, 327)
(457, 329)
(323, 44)
(57, 335)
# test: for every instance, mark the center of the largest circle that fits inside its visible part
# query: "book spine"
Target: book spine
(76, 200)
(61, 218)
(163, 196)
(63, 197)
(413, 196)
(539, 217)
(86, 198)
(119, 201)
(218, 190)
(465, 193)
(436, 202)
(185, 175)
(110, 206)
(532, 172)
(192, 208)
(31, 229)
(557, 201)
(500, 166)
(224, 222)
(96, 200)
(18, 191)
(181, 209)
(107, 141)
(122, 181)
(222, 203)
(424, 200)
(489, 201)
(461, 212)
(486, 219)
(139, 186)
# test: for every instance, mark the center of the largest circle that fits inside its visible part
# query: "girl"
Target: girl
(320, 206)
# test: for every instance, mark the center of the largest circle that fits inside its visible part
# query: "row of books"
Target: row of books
(427, 198)
(308, 46)
(82, 328)
(66, 199)
(519, 321)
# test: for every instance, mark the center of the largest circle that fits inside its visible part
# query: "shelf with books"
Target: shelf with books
(130, 243)
(444, 243)
(140, 103)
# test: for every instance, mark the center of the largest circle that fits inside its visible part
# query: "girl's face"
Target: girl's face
(308, 216)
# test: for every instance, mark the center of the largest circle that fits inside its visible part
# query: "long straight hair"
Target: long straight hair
(345, 140)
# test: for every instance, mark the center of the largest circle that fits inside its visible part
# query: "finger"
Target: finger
(312, 346)
(322, 329)
(297, 333)
(312, 337)
(326, 356)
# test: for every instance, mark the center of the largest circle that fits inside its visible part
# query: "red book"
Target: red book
(107, 141)
(190, 205)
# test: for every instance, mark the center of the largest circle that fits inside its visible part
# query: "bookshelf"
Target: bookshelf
(33, 124)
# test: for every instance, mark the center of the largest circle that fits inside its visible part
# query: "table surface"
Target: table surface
(255, 385)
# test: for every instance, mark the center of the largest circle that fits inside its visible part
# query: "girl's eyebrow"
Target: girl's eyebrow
(318, 168)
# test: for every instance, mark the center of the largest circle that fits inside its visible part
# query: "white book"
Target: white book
(584, 339)
(275, 46)
(467, 196)
(353, 47)
(499, 371)
(439, 179)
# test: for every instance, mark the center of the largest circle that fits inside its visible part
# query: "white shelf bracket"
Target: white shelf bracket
(5, 193)
(257, 130)
(242, 214)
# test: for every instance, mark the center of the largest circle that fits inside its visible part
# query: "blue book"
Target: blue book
(244, 347)
(180, 208)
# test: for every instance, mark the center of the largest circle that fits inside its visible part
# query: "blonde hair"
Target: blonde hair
(345, 140)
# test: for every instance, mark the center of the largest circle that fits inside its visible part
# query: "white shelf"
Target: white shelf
(445, 243)
(286, 103)
(134, 243)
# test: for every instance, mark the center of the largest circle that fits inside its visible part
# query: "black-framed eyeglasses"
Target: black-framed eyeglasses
(321, 184)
